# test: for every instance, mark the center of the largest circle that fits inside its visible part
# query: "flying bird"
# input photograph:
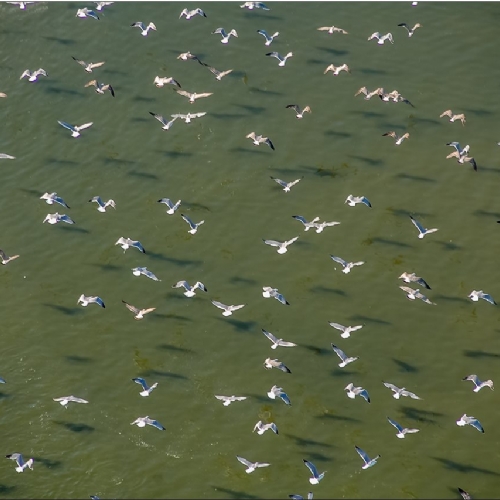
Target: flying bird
(478, 384)
(85, 301)
(100, 88)
(51, 198)
(286, 185)
(219, 75)
(316, 477)
(452, 117)
(55, 218)
(464, 494)
(307, 225)
(190, 290)
(88, 67)
(146, 390)
(268, 292)
(278, 392)
(166, 124)
(346, 330)
(346, 265)
(320, 226)
(369, 95)
(21, 464)
(160, 81)
(352, 392)
(381, 38)
(85, 12)
(259, 139)
(399, 140)
(413, 278)
(75, 129)
(345, 360)
(269, 38)
(194, 226)
(368, 462)
(254, 5)
(400, 392)
(260, 427)
(101, 205)
(225, 36)
(412, 30)
(251, 466)
(299, 112)
(126, 243)
(415, 294)
(144, 29)
(101, 5)
(281, 245)
(275, 363)
(187, 118)
(69, 399)
(422, 231)
(475, 295)
(332, 29)
(281, 59)
(5, 258)
(276, 341)
(143, 421)
(138, 313)
(187, 55)
(191, 13)
(352, 201)
(172, 207)
(474, 422)
(402, 431)
(32, 76)
(4, 156)
(230, 399)
(228, 310)
(193, 96)
(137, 271)
(21, 5)
(336, 70)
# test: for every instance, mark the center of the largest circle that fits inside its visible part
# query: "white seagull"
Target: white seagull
(161, 81)
(163, 121)
(321, 225)
(194, 227)
(402, 431)
(137, 271)
(346, 265)
(416, 294)
(276, 341)
(21, 464)
(4, 156)
(278, 392)
(268, 292)
(190, 290)
(225, 36)
(69, 399)
(307, 225)
(146, 390)
(101, 206)
(187, 118)
(172, 207)
(346, 330)
(336, 70)
(86, 12)
(453, 117)
(345, 360)
(353, 200)
(144, 29)
(281, 59)
(286, 185)
(138, 313)
(219, 75)
(269, 364)
(474, 422)
(251, 466)
(368, 462)
(475, 295)
(85, 301)
(381, 38)
(332, 29)
(299, 113)
(32, 76)
(5, 259)
(259, 139)
(422, 231)
(400, 392)
(191, 13)
(412, 30)
(399, 140)
(101, 5)
(254, 5)
(126, 243)
(55, 218)
(88, 67)
(413, 278)
(143, 421)
(228, 310)
(75, 129)
(316, 477)
(463, 493)
(22, 5)
(352, 392)
(193, 96)
(230, 399)
(281, 245)
(100, 88)
(51, 198)
(269, 38)
(478, 384)
(260, 427)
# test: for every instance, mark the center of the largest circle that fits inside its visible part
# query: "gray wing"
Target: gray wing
(66, 125)
(282, 299)
(273, 243)
(422, 282)
(395, 424)
(366, 202)
(189, 221)
(417, 225)
(160, 118)
(339, 260)
(489, 298)
(300, 218)
(364, 394)
(220, 305)
(184, 284)
(311, 467)
(149, 274)
(59, 200)
(362, 454)
(67, 219)
(264, 34)
(338, 327)
(269, 335)
(156, 424)
(99, 301)
(244, 461)
(141, 381)
(284, 397)
(138, 245)
(340, 353)
(279, 181)
(476, 424)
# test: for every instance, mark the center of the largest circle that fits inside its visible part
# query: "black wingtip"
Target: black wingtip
(287, 303)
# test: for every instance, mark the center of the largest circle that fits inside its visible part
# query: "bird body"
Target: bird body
(190, 290)
(269, 38)
(5, 258)
(281, 59)
(126, 243)
(187, 118)
(88, 67)
(368, 462)
(227, 400)
(352, 201)
(413, 278)
(193, 96)
(160, 81)
(144, 29)
(281, 245)
(345, 360)
(346, 330)
(299, 112)
(268, 292)
(65, 400)
(143, 421)
(316, 477)
(166, 124)
(276, 341)
(251, 466)
(32, 76)
(412, 30)
(259, 139)
(400, 392)
(260, 427)
(332, 29)
(381, 38)
(137, 271)
(85, 301)
(422, 231)
(352, 392)
(475, 295)
(101, 205)
(254, 5)
(474, 422)
(55, 218)
(278, 392)
(194, 226)
(415, 294)
(402, 431)
(286, 185)
(369, 95)
(219, 75)
(452, 117)
(172, 207)
(346, 265)
(138, 313)
(336, 70)
(399, 140)
(275, 363)
(51, 198)
(21, 464)
(478, 384)
(100, 88)
(189, 14)
(228, 310)
(86, 12)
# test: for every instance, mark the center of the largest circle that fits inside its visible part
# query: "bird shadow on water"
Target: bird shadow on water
(175, 154)
(481, 354)
(339, 372)
(366, 319)
(75, 427)
(240, 326)
(242, 281)
(334, 52)
(173, 260)
(373, 162)
(420, 415)
(174, 348)
(59, 161)
(325, 289)
(70, 311)
(74, 229)
(307, 442)
(315, 456)
(414, 178)
(451, 299)
(6, 490)
(234, 494)
(317, 350)
(46, 462)
(340, 418)
(77, 359)
(62, 41)
(4, 396)
(108, 267)
(484, 213)
(255, 110)
(464, 468)
(260, 91)
(447, 245)
(260, 398)
(405, 367)
(385, 241)
(158, 373)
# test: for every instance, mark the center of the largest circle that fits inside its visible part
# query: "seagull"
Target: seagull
(254, 5)
(307, 225)
(366, 459)
(21, 464)
(412, 30)
(321, 225)
(187, 118)
(32, 76)
(286, 185)
(50, 198)
(343, 356)
(172, 207)
(5, 259)
(225, 36)
(464, 420)
(381, 38)
(190, 290)
(282, 246)
(478, 385)
(101, 5)
(100, 88)
(281, 59)
(101, 205)
(163, 121)
(413, 278)
(388, 96)
(421, 230)
(346, 265)
(310, 496)
(261, 427)
(69, 399)
(55, 218)
(139, 313)
(144, 29)
(402, 431)
(352, 392)
(276, 341)
(219, 75)
(194, 227)
(230, 399)
(346, 330)
(259, 139)
(464, 494)
(400, 392)
(458, 149)
(126, 243)
(160, 81)
(85, 12)
(146, 389)
(353, 200)
(75, 129)
(228, 310)
(269, 39)
(399, 140)
(191, 13)
(251, 466)
(193, 96)
(415, 294)
(22, 5)
(299, 112)
(332, 29)
(475, 295)
(468, 159)
(187, 55)
(4, 156)
(269, 292)
(452, 117)
(278, 392)
(90, 300)
(137, 271)
(316, 478)
(143, 421)
(336, 69)
(88, 66)
(369, 95)
(275, 363)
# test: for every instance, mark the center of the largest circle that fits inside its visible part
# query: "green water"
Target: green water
(52, 347)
